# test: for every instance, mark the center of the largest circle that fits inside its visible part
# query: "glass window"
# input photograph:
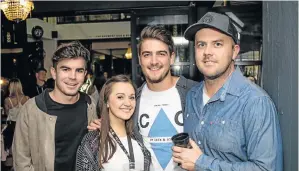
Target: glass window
(250, 57)
(252, 72)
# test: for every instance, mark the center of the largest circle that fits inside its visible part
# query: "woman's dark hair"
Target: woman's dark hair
(107, 144)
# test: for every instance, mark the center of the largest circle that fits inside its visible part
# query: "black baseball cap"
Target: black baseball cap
(220, 22)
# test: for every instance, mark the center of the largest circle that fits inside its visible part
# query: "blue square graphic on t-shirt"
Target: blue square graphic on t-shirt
(162, 127)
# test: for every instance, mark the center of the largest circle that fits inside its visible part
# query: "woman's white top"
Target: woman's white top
(120, 161)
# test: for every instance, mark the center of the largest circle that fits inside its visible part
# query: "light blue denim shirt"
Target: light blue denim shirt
(237, 130)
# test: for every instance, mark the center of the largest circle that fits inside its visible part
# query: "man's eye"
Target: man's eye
(200, 45)
(218, 44)
(65, 69)
(132, 98)
(80, 71)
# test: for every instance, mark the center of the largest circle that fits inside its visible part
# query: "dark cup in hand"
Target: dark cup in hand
(181, 140)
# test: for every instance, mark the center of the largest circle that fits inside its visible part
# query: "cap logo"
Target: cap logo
(207, 19)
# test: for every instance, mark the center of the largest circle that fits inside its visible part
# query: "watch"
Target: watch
(37, 32)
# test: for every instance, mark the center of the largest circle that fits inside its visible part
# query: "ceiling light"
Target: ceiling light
(16, 10)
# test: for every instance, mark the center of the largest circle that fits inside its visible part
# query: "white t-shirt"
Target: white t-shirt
(120, 161)
(205, 97)
(160, 117)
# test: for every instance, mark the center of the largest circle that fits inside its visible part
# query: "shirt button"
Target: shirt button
(223, 122)
(202, 122)
(50, 118)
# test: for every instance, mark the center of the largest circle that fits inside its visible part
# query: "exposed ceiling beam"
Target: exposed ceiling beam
(56, 7)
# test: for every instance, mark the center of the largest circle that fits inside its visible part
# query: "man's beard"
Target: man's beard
(214, 77)
(159, 79)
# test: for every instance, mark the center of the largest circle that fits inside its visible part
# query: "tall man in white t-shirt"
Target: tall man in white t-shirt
(161, 99)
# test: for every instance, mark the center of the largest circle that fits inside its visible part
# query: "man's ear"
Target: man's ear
(172, 58)
(236, 50)
(53, 72)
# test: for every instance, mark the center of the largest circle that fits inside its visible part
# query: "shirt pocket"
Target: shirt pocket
(223, 135)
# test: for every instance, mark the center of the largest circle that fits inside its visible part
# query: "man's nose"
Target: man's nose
(154, 60)
(208, 50)
(72, 75)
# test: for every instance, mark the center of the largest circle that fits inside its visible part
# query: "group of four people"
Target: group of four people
(232, 123)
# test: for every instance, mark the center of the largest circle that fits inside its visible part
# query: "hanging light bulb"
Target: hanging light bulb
(128, 54)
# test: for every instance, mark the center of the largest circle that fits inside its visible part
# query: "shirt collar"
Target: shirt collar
(237, 83)
(234, 85)
(182, 82)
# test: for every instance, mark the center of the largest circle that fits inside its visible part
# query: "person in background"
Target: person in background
(13, 104)
(232, 122)
(35, 88)
(100, 81)
(12, 107)
(40, 80)
(89, 87)
(115, 147)
(51, 125)
(105, 74)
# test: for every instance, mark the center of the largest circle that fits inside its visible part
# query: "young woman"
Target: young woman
(115, 147)
(15, 100)
(12, 106)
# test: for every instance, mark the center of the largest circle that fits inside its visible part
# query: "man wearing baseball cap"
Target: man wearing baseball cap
(232, 121)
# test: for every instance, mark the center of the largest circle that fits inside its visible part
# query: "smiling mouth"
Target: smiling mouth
(208, 62)
(154, 68)
(71, 85)
(126, 110)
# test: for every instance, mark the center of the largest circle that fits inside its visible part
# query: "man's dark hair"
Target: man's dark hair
(70, 50)
(159, 33)
(40, 69)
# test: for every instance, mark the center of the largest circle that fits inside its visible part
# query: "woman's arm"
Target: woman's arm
(85, 159)
(6, 106)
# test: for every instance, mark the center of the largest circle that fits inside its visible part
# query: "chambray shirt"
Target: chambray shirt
(237, 130)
